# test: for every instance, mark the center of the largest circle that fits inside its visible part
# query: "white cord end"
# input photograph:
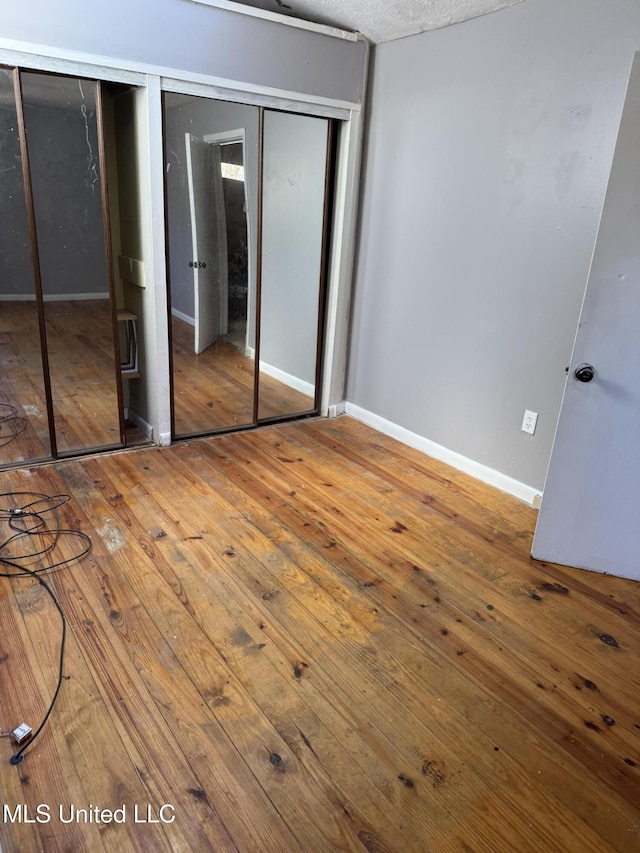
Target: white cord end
(22, 733)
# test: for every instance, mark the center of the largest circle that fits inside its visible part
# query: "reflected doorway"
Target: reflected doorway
(235, 209)
(211, 181)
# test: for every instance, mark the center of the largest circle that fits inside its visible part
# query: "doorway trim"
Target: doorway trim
(229, 137)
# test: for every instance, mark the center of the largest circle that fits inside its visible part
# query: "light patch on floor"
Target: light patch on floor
(111, 536)
(34, 412)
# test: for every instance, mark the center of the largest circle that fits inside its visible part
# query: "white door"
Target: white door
(590, 513)
(209, 241)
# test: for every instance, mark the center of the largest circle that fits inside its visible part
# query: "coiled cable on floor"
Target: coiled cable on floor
(34, 539)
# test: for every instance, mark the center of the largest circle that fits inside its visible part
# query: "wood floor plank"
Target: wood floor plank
(128, 784)
(181, 727)
(369, 662)
(18, 691)
(411, 542)
(395, 782)
(309, 637)
(587, 810)
(505, 591)
(240, 638)
(226, 701)
(251, 734)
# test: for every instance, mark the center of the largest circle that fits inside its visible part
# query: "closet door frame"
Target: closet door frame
(108, 248)
(348, 120)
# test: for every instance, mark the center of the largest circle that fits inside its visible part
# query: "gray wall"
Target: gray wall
(16, 278)
(488, 150)
(68, 206)
(194, 38)
(63, 161)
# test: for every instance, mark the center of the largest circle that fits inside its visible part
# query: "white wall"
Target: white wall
(488, 149)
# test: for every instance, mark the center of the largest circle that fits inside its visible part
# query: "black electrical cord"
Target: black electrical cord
(18, 757)
(28, 521)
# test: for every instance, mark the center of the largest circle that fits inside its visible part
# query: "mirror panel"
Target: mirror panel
(24, 430)
(211, 162)
(293, 202)
(62, 137)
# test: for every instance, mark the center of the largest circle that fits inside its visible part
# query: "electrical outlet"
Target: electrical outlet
(529, 422)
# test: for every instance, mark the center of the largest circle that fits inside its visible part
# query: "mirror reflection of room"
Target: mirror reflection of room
(62, 132)
(244, 305)
(24, 430)
(126, 141)
(211, 157)
(294, 169)
(68, 332)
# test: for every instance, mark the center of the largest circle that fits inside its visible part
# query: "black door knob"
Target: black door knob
(584, 372)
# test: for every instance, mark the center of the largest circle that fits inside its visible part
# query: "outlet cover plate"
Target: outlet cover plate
(529, 422)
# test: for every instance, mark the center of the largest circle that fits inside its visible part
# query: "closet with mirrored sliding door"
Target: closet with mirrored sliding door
(60, 362)
(247, 194)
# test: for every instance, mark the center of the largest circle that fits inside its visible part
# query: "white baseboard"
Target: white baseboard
(337, 410)
(184, 317)
(294, 382)
(462, 463)
(164, 439)
(52, 297)
(145, 428)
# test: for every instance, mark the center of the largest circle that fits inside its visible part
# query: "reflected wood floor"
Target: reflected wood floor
(312, 638)
(83, 385)
(214, 390)
(21, 383)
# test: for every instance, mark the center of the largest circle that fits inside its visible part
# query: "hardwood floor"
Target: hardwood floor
(309, 637)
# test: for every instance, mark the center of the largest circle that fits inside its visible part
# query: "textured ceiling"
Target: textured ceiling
(383, 20)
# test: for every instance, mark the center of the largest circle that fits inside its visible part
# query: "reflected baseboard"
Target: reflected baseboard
(184, 317)
(306, 388)
(139, 422)
(52, 297)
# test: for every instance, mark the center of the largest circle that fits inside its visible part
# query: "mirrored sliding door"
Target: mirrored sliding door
(246, 197)
(211, 160)
(64, 138)
(24, 425)
(294, 169)
(60, 378)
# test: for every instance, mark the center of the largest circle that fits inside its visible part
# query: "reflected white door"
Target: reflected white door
(209, 241)
(590, 513)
